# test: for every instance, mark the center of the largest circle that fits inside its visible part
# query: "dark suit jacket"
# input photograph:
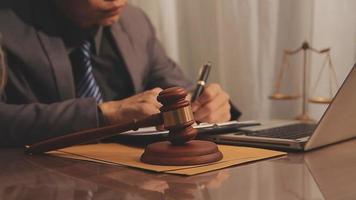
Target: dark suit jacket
(39, 99)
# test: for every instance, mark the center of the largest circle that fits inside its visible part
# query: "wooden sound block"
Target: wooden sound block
(193, 152)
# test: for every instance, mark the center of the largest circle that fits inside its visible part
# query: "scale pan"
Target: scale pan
(320, 100)
(280, 96)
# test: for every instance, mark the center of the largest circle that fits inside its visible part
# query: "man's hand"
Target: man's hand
(138, 106)
(212, 105)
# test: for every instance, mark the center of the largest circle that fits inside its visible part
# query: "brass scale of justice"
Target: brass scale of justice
(278, 95)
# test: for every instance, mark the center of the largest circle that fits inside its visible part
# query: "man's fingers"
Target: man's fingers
(137, 106)
(150, 96)
(209, 93)
(195, 106)
(155, 91)
(209, 111)
(150, 105)
(147, 109)
(211, 106)
(220, 115)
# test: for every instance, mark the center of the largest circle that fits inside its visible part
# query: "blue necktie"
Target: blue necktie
(86, 85)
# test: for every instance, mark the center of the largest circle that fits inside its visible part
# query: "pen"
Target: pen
(203, 76)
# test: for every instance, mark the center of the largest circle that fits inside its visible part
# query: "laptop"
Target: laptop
(338, 123)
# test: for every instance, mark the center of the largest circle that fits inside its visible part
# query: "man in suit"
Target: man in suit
(81, 64)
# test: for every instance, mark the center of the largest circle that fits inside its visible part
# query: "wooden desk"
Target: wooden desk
(326, 173)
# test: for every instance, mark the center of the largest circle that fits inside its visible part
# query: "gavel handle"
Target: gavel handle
(91, 135)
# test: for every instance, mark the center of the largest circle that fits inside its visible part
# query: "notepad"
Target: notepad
(144, 136)
(202, 128)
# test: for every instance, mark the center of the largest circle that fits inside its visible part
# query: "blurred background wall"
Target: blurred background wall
(245, 41)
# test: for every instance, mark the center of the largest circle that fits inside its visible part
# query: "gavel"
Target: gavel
(176, 115)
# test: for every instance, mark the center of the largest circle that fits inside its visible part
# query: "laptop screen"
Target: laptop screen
(339, 120)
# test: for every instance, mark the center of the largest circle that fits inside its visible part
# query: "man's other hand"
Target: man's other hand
(212, 105)
(135, 107)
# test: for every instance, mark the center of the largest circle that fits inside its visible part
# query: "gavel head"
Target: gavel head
(177, 115)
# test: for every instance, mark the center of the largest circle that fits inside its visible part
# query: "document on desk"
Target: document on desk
(203, 128)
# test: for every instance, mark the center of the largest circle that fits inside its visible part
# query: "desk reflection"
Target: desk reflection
(325, 173)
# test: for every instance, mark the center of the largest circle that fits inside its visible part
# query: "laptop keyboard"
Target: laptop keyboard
(293, 131)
